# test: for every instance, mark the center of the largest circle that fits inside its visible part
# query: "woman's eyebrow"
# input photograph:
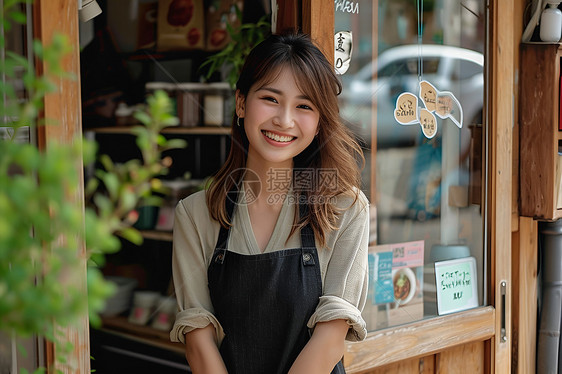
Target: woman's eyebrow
(279, 92)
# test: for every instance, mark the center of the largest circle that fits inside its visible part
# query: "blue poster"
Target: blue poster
(380, 270)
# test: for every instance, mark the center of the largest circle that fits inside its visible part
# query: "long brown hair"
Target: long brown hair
(333, 151)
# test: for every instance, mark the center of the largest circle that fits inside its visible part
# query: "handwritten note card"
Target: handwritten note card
(456, 285)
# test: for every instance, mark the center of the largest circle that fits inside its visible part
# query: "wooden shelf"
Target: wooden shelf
(178, 130)
(146, 334)
(154, 55)
(165, 236)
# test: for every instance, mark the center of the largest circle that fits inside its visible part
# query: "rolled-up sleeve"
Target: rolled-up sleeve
(346, 277)
(189, 271)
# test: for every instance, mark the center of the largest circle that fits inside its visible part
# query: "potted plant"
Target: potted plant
(243, 38)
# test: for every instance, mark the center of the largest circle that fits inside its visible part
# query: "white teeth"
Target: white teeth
(278, 138)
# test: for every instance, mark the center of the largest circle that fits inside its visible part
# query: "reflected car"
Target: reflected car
(377, 85)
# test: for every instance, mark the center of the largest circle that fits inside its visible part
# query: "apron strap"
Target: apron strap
(230, 203)
(307, 234)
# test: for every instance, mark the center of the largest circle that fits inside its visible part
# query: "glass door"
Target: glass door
(414, 96)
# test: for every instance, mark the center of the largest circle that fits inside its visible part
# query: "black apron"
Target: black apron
(264, 302)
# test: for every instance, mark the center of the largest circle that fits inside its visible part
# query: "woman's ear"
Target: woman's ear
(240, 104)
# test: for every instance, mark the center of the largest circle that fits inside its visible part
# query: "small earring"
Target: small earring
(238, 121)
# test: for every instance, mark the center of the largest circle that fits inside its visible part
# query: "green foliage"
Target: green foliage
(243, 39)
(118, 189)
(46, 235)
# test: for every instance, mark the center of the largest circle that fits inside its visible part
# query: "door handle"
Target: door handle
(503, 331)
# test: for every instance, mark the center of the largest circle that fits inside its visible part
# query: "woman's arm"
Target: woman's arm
(324, 349)
(202, 353)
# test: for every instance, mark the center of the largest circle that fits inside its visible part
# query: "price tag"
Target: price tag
(456, 282)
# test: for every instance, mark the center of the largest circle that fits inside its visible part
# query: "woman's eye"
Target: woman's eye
(304, 106)
(269, 98)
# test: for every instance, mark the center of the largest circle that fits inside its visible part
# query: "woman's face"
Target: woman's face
(279, 120)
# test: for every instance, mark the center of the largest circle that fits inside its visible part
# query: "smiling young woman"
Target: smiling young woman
(270, 263)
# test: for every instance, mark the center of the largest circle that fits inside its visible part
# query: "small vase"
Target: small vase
(551, 24)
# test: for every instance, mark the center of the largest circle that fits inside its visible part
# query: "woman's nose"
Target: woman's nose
(284, 118)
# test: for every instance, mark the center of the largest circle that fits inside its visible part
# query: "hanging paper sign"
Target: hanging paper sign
(456, 285)
(406, 109)
(428, 123)
(449, 107)
(343, 46)
(444, 104)
(428, 94)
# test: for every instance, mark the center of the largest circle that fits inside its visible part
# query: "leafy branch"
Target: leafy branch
(243, 39)
(42, 228)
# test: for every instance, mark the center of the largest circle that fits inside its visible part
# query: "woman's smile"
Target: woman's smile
(278, 139)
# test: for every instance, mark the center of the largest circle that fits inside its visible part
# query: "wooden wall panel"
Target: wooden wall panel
(423, 365)
(525, 268)
(465, 359)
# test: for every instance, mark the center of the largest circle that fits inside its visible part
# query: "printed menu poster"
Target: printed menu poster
(395, 294)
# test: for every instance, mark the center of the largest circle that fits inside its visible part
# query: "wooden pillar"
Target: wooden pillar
(64, 109)
(318, 21)
(288, 16)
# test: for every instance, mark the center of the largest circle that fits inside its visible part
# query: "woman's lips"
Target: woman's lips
(281, 139)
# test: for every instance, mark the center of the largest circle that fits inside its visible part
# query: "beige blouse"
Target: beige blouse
(343, 262)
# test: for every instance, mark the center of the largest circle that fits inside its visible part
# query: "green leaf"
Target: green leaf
(104, 204)
(132, 235)
(111, 182)
(107, 163)
(170, 121)
(152, 201)
(91, 186)
(22, 350)
(18, 59)
(142, 117)
(175, 144)
(128, 199)
(38, 49)
(18, 17)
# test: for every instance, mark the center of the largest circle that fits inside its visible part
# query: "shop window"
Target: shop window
(421, 188)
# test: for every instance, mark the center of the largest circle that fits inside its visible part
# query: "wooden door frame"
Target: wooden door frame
(500, 62)
(64, 106)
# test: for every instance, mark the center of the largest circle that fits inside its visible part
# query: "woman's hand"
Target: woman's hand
(202, 352)
(324, 349)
